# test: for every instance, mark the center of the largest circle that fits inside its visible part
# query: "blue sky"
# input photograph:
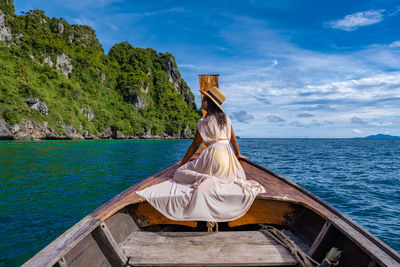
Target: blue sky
(288, 68)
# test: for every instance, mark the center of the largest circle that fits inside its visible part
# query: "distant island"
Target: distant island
(379, 136)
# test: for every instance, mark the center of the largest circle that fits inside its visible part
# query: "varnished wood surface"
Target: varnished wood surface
(248, 248)
(265, 212)
(207, 81)
(146, 215)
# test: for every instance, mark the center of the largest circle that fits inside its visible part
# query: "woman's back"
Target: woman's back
(211, 131)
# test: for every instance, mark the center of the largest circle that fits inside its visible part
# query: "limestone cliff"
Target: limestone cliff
(56, 82)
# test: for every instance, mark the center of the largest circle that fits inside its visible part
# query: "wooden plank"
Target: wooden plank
(108, 246)
(86, 253)
(121, 225)
(199, 238)
(207, 81)
(300, 243)
(267, 212)
(380, 256)
(228, 255)
(201, 248)
(49, 255)
(319, 238)
(146, 215)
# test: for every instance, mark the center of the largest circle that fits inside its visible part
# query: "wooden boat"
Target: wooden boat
(127, 231)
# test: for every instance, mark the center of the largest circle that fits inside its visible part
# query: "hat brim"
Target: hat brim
(210, 97)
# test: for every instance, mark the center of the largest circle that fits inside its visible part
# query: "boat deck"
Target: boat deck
(232, 248)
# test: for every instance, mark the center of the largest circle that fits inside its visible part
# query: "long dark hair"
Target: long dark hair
(214, 110)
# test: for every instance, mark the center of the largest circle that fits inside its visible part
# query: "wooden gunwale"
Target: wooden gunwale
(388, 250)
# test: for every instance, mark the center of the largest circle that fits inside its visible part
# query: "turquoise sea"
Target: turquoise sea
(48, 186)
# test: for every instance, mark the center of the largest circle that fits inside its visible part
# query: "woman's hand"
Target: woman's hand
(171, 174)
(241, 157)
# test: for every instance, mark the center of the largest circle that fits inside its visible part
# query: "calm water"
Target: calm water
(48, 186)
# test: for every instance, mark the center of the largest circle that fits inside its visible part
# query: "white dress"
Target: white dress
(212, 187)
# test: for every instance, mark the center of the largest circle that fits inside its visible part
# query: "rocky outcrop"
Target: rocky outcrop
(187, 133)
(88, 113)
(175, 78)
(139, 101)
(47, 60)
(143, 88)
(4, 131)
(35, 103)
(148, 135)
(28, 130)
(5, 32)
(111, 133)
(71, 133)
(59, 28)
(63, 64)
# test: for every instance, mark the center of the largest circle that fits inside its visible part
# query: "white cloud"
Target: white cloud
(85, 5)
(296, 124)
(274, 119)
(358, 120)
(169, 10)
(395, 44)
(357, 131)
(242, 116)
(84, 21)
(304, 115)
(353, 21)
(377, 122)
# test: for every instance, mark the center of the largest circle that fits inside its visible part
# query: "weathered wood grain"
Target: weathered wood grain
(319, 238)
(191, 248)
(121, 225)
(86, 253)
(380, 256)
(108, 246)
(49, 255)
(199, 238)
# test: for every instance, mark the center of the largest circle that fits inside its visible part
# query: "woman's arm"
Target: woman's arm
(192, 149)
(235, 145)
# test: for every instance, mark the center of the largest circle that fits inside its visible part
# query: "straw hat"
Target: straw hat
(215, 95)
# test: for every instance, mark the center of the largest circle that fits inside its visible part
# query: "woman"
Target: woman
(212, 187)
